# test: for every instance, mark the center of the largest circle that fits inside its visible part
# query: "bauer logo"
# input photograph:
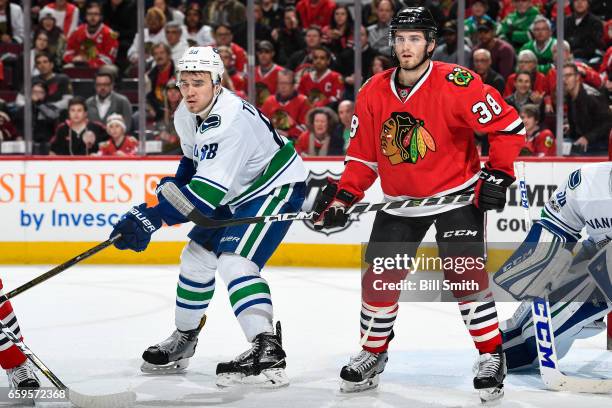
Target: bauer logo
(314, 184)
(151, 181)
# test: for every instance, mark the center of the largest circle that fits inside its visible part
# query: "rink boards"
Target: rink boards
(53, 209)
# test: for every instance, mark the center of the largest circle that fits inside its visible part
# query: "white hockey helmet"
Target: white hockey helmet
(202, 59)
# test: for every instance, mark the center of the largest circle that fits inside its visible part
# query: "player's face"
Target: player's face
(115, 130)
(410, 48)
(197, 89)
(77, 113)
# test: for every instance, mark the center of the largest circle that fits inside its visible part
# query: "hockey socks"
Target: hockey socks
(377, 325)
(480, 318)
(10, 355)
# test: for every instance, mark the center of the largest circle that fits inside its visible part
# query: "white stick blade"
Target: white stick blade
(119, 400)
(557, 381)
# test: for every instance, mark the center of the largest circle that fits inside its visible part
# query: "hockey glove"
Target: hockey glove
(136, 227)
(331, 205)
(490, 190)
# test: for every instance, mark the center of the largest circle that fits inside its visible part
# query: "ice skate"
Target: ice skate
(490, 373)
(362, 371)
(23, 376)
(171, 356)
(262, 365)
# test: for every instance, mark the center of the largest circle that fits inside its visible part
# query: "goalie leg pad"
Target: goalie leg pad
(537, 263)
(600, 269)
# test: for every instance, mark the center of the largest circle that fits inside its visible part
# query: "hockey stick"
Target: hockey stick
(176, 198)
(551, 375)
(118, 400)
(58, 269)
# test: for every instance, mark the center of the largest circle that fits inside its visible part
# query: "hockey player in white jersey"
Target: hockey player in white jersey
(578, 287)
(234, 165)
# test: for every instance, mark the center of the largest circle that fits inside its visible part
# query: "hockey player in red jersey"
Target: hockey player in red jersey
(93, 43)
(18, 369)
(321, 85)
(414, 128)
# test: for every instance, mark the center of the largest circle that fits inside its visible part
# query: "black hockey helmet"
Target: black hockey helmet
(413, 18)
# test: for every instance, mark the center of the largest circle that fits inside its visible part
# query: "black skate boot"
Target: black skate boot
(23, 376)
(171, 356)
(362, 371)
(262, 365)
(490, 373)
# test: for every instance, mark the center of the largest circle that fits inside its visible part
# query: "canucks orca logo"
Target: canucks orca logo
(574, 180)
(314, 184)
(212, 121)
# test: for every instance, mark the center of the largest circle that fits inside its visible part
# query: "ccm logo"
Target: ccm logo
(144, 220)
(460, 233)
(543, 333)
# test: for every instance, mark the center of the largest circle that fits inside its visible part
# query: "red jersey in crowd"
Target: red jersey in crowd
(421, 141)
(265, 84)
(322, 90)
(240, 55)
(288, 116)
(539, 85)
(128, 147)
(319, 14)
(99, 48)
(541, 143)
(588, 74)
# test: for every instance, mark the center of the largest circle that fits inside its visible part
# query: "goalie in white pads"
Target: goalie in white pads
(579, 287)
(234, 165)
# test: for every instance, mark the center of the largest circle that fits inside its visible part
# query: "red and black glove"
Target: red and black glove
(331, 205)
(490, 191)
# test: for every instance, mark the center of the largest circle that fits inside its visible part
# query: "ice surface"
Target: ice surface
(91, 324)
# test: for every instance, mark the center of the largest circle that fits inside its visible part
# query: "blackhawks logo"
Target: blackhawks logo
(403, 139)
(460, 76)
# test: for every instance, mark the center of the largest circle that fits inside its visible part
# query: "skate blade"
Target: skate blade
(271, 378)
(175, 367)
(489, 395)
(368, 384)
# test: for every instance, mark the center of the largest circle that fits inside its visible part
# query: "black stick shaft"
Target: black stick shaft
(58, 269)
(32, 357)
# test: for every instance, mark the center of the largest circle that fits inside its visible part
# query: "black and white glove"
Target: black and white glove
(331, 205)
(490, 190)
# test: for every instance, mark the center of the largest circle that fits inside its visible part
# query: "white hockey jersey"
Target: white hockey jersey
(237, 154)
(584, 201)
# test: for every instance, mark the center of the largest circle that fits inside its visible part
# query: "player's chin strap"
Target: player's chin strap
(551, 376)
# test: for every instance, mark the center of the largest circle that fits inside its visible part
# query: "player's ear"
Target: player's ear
(431, 46)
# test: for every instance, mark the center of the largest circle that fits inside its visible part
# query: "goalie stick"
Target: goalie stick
(119, 400)
(552, 377)
(58, 269)
(176, 198)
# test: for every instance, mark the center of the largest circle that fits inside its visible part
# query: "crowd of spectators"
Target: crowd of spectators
(84, 63)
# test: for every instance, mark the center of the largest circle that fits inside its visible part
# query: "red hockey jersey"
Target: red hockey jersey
(323, 90)
(99, 48)
(129, 147)
(265, 84)
(423, 145)
(289, 116)
(541, 143)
